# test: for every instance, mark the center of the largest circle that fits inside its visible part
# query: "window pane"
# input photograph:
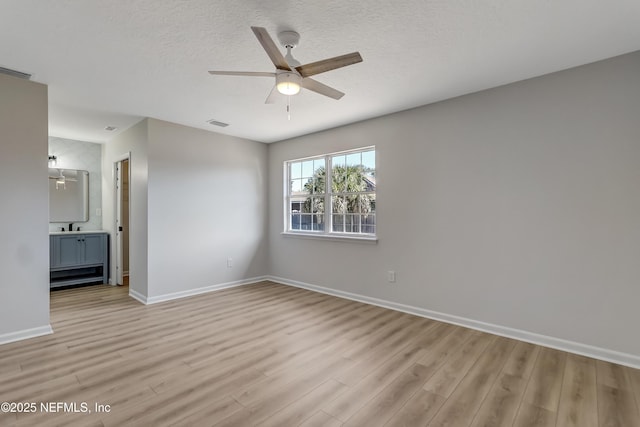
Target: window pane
(320, 205)
(338, 204)
(338, 161)
(307, 169)
(367, 203)
(295, 222)
(338, 223)
(310, 222)
(338, 180)
(352, 203)
(296, 185)
(305, 222)
(319, 175)
(353, 177)
(317, 185)
(353, 159)
(368, 223)
(307, 186)
(296, 205)
(350, 224)
(354, 214)
(296, 170)
(318, 224)
(369, 160)
(313, 205)
(318, 164)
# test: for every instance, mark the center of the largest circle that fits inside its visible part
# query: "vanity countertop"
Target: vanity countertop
(55, 233)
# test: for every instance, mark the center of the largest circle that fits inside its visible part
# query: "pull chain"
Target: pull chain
(288, 107)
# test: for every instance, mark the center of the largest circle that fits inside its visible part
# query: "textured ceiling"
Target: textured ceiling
(113, 62)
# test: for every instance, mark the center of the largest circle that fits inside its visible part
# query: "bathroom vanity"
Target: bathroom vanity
(78, 257)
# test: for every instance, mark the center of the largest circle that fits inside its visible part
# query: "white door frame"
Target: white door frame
(117, 191)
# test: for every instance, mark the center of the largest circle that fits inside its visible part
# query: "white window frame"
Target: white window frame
(328, 232)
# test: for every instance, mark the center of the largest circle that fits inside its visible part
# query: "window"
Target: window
(344, 205)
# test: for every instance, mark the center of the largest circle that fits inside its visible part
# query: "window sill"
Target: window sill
(334, 237)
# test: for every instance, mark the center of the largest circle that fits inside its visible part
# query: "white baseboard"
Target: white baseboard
(25, 334)
(137, 296)
(176, 295)
(543, 340)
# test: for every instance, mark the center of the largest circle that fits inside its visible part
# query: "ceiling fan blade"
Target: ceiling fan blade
(271, 48)
(321, 88)
(273, 95)
(243, 73)
(318, 67)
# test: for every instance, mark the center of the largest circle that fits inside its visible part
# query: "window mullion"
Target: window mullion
(288, 198)
(328, 206)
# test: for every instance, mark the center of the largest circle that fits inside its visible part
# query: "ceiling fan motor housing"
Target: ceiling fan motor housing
(289, 39)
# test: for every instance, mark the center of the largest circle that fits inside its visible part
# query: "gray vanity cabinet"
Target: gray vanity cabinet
(78, 258)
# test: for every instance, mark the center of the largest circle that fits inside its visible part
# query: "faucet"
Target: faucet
(70, 226)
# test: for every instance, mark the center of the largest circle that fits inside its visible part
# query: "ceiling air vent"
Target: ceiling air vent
(110, 128)
(14, 73)
(217, 123)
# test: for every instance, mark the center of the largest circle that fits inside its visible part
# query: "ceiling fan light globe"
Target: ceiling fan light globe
(288, 83)
(288, 88)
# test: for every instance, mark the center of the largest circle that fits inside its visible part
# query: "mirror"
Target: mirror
(68, 195)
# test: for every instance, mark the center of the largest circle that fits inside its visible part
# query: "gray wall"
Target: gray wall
(207, 203)
(24, 246)
(197, 199)
(517, 206)
(87, 156)
(133, 142)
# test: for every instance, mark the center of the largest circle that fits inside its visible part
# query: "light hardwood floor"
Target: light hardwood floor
(273, 355)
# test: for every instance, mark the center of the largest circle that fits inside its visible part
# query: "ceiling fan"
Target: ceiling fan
(290, 75)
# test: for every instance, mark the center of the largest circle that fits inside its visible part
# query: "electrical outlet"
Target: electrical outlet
(229, 262)
(391, 276)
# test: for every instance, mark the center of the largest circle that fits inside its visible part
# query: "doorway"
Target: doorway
(122, 216)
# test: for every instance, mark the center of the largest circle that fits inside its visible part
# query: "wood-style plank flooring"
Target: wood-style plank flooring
(272, 355)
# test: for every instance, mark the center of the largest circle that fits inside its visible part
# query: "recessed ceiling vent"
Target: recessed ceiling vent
(110, 128)
(14, 73)
(217, 123)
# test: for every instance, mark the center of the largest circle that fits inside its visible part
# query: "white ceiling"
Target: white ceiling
(114, 62)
